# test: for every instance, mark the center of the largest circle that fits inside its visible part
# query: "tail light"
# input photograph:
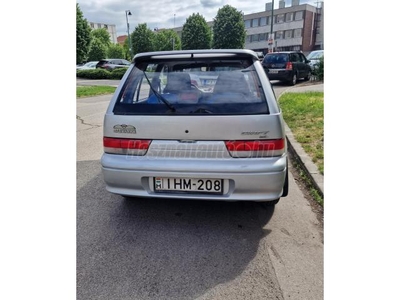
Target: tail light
(125, 146)
(289, 66)
(257, 148)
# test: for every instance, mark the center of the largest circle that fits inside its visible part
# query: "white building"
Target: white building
(109, 27)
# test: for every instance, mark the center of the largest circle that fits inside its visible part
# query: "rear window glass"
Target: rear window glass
(192, 86)
(276, 58)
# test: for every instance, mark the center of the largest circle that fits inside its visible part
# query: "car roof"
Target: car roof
(108, 59)
(188, 53)
(284, 52)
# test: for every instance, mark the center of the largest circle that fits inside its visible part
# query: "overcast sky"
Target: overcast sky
(160, 13)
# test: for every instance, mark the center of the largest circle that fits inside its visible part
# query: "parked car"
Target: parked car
(88, 65)
(113, 63)
(166, 138)
(289, 66)
(315, 57)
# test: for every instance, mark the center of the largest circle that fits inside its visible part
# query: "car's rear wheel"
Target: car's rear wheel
(286, 184)
(293, 81)
(271, 203)
(307, 78)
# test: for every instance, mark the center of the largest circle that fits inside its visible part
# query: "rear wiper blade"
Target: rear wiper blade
(159, 96)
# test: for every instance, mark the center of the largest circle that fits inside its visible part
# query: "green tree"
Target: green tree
(166, 40)
(142, 39)
(196, 34)
(97, 50)
(101, 34)
(115, 51)
(82, 36)
(229, 31)
(125, 48)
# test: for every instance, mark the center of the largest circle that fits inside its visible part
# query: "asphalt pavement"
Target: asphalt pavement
(203, 250)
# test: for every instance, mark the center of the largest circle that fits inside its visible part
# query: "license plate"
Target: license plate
(273, 71)
(194, 185)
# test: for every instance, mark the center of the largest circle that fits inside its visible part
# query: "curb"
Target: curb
(302, 157)
(305, 161)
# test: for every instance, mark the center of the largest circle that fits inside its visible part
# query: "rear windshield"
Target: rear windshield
(276, 58)
(192, 86)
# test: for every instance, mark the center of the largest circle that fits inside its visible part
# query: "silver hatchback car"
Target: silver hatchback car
(221, 138)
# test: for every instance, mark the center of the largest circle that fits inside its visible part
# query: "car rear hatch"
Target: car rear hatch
(276, 61)
(159, 115)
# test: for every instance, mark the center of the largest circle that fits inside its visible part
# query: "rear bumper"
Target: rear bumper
(284, 75)
(254, 179)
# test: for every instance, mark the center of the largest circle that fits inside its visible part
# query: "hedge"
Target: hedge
(101, 73)
(320, 69)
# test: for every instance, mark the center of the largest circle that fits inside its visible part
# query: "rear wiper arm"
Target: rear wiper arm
(159, 96)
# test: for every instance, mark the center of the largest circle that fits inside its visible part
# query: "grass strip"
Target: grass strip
(91, 91)
(304, 114)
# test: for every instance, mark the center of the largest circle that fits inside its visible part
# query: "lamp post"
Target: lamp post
(128, 13)
(173, 39)
(272, 27)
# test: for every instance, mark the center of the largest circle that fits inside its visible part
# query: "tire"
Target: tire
(293, 81)
(307, 78)
(286, 184)
(271, 203)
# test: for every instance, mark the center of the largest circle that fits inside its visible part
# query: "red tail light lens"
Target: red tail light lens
(289, 66)
(257, 148)
(125, 146)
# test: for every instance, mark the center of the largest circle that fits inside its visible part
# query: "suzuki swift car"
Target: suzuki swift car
(219, 139)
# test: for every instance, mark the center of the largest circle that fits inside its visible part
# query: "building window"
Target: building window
(248, 39)
(254, 38)
(255, 22)
(279, 35)
(105, 26)
(289, 17)
(298, 15)
(297, 33)
(263, 36)
(280, 18)
(263, 21)
(247, 23)
(98, 25)
(288, 34)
